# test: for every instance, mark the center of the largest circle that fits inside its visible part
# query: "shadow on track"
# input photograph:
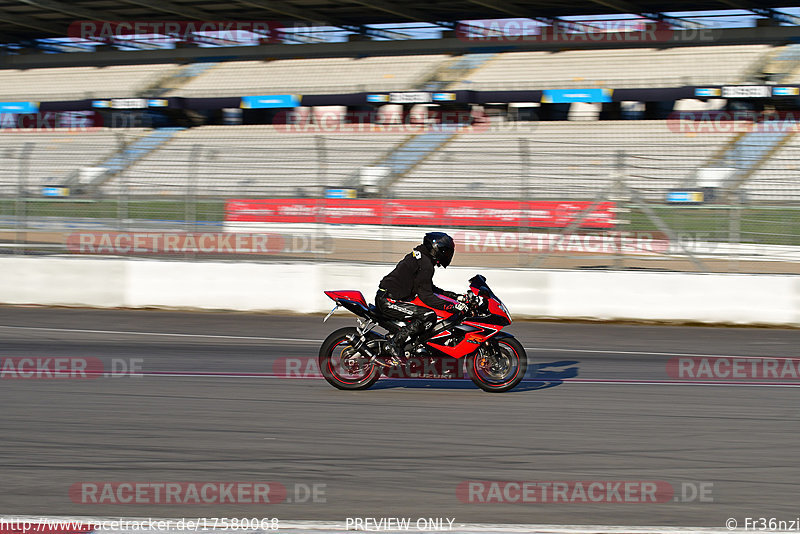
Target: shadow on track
(538, 376)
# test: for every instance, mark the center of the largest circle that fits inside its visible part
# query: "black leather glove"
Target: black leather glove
(461, 307)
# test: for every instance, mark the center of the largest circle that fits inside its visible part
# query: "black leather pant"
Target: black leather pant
(420, 318)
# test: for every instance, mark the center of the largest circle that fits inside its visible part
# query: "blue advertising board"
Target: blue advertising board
(19, 107)
(566, 96)
(685, 197)
(269, 101)
(707, 91)
(785, 91)
(55, 191)
(340, 193)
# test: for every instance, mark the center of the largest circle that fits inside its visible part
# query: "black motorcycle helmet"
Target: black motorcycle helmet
(440, 246)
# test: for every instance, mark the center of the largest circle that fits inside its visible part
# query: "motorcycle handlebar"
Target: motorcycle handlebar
(475, 302)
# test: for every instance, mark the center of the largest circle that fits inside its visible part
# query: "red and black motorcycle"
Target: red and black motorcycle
(355, 358)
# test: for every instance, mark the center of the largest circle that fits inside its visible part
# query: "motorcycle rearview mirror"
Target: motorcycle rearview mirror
(478, 280)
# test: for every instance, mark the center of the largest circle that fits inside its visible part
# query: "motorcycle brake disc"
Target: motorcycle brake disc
(349, 359)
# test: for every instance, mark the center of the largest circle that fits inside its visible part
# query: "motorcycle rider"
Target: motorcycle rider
(413, 277)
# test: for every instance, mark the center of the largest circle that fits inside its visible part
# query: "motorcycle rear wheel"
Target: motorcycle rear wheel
(342, 366)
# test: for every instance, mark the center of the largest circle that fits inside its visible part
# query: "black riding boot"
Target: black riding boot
(402, 339)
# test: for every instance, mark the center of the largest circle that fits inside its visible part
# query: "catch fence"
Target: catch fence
(514, 194)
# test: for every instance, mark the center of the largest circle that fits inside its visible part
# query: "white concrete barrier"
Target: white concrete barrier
(298, 287)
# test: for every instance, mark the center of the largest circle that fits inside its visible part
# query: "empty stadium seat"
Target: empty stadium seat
(77, 83)
(55, 155)
(253, 160)
(777, 179)
(567, 160)
(319, 75)
(633, 67)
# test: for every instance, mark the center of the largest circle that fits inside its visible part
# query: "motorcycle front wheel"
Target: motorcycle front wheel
(342, 366)
(498, 366)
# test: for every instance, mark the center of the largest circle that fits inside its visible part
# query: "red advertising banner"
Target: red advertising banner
(484, 213)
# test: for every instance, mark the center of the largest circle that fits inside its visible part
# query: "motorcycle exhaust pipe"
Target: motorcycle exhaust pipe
(361, 346)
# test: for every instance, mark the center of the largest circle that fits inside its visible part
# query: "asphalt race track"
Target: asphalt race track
(600, 405)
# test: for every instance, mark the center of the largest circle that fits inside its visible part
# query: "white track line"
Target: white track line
(168, 334)
(338, 527)
(317, 341)
(645, 353)
(527, 380)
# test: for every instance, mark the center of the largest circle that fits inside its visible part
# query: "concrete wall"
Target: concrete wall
(297, 287)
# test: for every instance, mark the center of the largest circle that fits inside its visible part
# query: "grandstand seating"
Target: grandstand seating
(632, 67)
(76, 83)
(55, 155)
(568, 160)
(321, 75)
(254, 160)
(777, 179)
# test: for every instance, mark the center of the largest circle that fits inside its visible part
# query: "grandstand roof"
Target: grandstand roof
(33, 19)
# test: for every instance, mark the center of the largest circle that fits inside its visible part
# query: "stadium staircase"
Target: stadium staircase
(747, 153)
(456, 70)
(125, 158)
(781, 64)
(413, 152)
(176, 78)
(419, 147)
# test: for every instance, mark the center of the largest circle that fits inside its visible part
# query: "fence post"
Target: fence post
(320, 229)
(524, 221)
(190, 204)
(190, 201)
(122, 194)
(619, 255)
(735, 230)
(20, 210)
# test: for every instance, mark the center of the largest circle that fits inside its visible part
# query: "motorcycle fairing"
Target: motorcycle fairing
(352, 300)
(450, 336)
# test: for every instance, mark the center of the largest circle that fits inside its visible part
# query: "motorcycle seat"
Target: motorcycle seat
(390, 323)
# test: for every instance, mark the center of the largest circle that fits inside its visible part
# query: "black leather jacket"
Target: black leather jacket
(413, 276)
